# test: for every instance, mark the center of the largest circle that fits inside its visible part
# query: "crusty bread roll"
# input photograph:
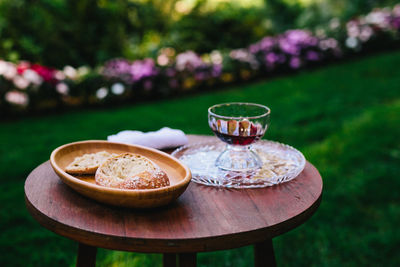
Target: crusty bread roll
(88, 163)
(131, 171)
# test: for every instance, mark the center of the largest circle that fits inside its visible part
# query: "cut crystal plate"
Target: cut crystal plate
(281, 163)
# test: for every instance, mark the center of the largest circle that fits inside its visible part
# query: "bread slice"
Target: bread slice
(88, 163)
(131, 171)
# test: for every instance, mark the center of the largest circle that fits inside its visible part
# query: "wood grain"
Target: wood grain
(201, 219)
(178, 174)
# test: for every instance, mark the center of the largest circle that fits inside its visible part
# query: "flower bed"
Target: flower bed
(31, 87)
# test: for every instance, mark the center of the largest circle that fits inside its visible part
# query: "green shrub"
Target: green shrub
(228, 26)
(71, 32)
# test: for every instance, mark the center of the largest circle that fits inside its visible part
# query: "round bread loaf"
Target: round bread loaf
(131, 171)
(88, 163)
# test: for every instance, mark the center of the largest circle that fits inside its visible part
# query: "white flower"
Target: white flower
(70, 72)
(117, 88)
(10, 71)
(216, 57)
(351, 42)
(20, 82)
(62, 88)
(3, 67)
(102, 93)
(244, 56)
(32, 77)
(323, 44)
(17, 98)
(59, 75)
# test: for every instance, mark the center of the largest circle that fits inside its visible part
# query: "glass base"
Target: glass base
(238, 159)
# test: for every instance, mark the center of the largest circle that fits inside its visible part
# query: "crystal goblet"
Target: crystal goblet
(239, 125)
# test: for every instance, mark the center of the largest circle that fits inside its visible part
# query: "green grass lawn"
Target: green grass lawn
(344, 118)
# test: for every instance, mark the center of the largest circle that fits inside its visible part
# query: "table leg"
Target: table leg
(264, 254)
(86, 256)
(187, 259)
(169, 260)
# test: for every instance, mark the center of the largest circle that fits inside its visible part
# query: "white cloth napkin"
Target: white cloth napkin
(163, 138)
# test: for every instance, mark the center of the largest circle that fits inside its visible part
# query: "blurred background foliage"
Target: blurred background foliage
(88, 32)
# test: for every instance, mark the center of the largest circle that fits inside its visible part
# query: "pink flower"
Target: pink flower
(70, 72)
(188, 60)
(313, 56)
(295, 63)
(162, 60)
(46, 73)
(22, 66)
(130, 72)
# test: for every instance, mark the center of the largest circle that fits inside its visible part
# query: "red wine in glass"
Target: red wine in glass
(237, 139)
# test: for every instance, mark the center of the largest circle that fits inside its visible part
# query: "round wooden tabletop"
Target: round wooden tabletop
(202, 219)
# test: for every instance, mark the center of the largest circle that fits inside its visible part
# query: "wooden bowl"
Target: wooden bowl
(179, 175)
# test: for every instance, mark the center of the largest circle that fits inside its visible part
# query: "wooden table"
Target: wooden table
(202, 219)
